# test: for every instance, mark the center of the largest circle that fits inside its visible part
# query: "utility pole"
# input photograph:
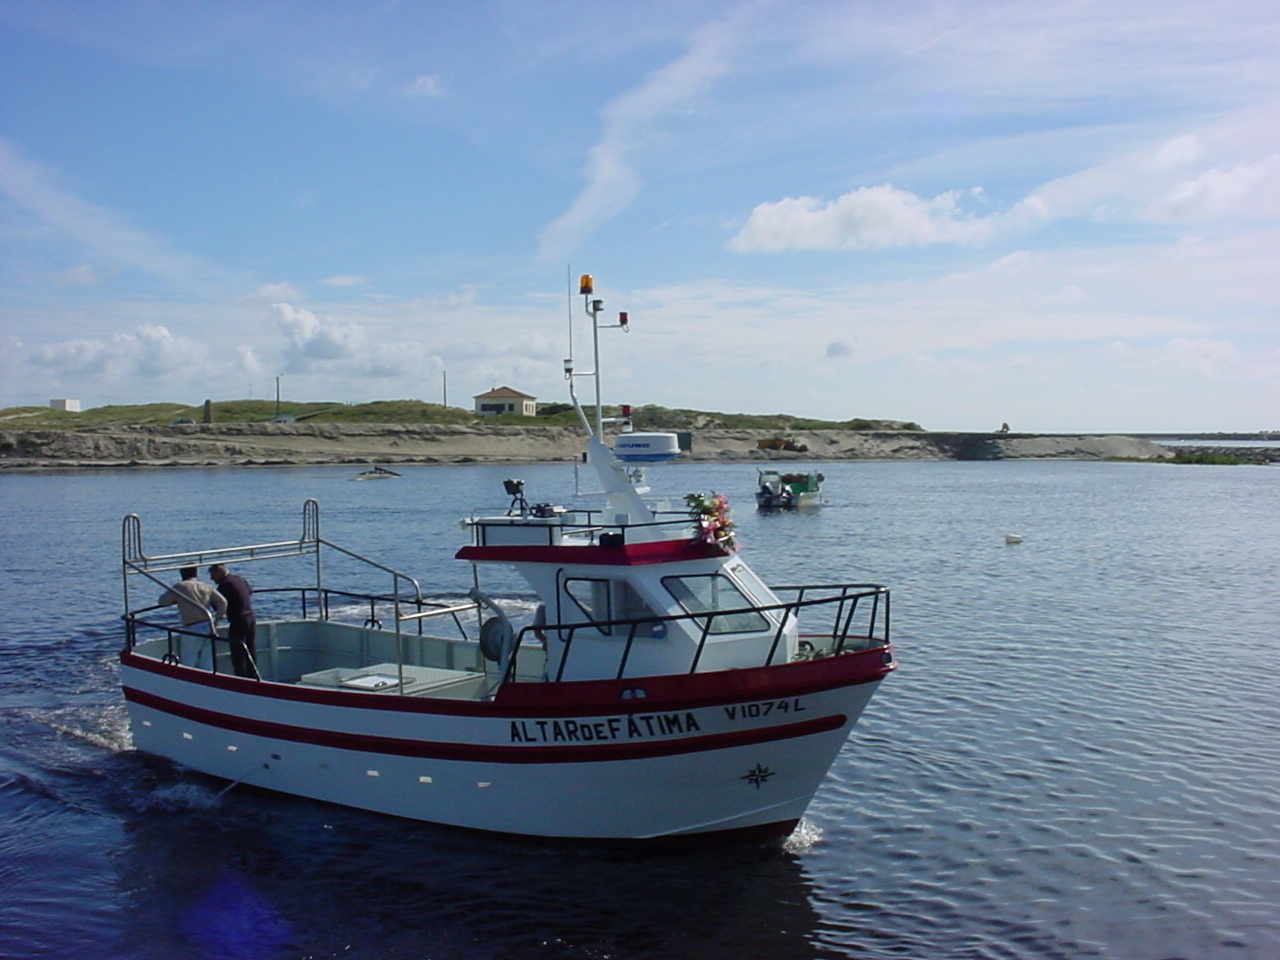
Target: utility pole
(444, 378)
(277, 396)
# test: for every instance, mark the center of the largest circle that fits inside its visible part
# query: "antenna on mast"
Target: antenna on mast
(568, 300)
(586, 288)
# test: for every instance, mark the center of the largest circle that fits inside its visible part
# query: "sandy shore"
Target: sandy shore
(246, 444)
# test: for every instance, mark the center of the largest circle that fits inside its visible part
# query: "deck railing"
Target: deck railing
(848, 631)
(854, 616)
(313, 604)
(590, 525)
(832, 619)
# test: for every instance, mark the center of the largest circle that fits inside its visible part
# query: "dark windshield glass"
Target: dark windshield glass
(708, 593)
(592, 598)
(601, 600)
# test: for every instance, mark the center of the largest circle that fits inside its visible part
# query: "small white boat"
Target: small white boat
(376, 473)
(787, 491)
(661, 691)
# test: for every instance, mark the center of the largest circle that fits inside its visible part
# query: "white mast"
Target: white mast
(625, 503)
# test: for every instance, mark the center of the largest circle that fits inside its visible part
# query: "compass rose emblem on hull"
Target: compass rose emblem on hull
(758, 775)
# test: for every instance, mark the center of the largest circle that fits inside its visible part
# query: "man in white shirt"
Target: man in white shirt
(194, 599)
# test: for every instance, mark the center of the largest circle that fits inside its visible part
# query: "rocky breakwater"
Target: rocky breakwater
(283, 443)
(248, 444)
(1229, 454)
(823, 445)
(997, 446)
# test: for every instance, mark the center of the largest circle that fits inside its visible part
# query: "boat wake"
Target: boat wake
(803, 838)
(111, 732)
(177, 797)
(115, 741)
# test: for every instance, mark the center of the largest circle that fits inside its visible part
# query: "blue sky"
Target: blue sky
(1063, 216)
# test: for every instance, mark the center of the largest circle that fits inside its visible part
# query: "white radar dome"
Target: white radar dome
(646, 447)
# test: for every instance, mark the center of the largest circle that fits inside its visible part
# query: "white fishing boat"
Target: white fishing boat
(660, 692)
(787, 491)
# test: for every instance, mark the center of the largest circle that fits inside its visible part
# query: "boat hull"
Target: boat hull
(647, 759)
(774, 502)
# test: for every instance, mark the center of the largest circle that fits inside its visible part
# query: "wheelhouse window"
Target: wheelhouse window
(709, 593)
(754, 585)
(631, 606)
(592, 598)
(602, 600)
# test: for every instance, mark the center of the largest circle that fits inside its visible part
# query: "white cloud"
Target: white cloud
(1210, 359)
(275, 292)
(315, 338)
(1028, 303)
(1202, 174)
(1178, 152)
(34, 188)
(612, 184)
(1037, 322)
(1022, 58)
(248, 361)
(82, 275)
(348, 358)
(341, 280)
(428, 87)
(162, 355)
(1219, 172)
(334, 349)
(1214, 193)
(866, 218)
(149, 353)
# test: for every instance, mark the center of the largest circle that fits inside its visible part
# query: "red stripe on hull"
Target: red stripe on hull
(686, 690)
(481, 753)
(576, 698)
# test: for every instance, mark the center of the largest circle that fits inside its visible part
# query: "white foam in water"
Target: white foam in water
(179, 796)
(115, 740)
(106, 728)
(802, 838)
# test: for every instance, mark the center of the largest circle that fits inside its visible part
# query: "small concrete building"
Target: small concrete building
(67, 406)
(505, 400)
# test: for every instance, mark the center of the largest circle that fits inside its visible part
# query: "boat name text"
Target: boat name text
(636, 727)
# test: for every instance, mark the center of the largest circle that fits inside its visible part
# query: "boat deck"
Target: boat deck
(396, 678)
(360, 659)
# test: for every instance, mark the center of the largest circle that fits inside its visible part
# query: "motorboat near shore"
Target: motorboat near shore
(653, 688)
(376, 473)
(787, 491)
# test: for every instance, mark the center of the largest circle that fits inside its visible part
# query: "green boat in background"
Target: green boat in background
(787, 491)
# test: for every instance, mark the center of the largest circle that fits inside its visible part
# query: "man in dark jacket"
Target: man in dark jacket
(241, 622)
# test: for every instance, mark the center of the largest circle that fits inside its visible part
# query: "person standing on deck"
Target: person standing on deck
(194, 599)
(241, 622)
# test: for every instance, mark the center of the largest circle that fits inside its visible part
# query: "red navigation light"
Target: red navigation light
(626, 410)
(622, 319)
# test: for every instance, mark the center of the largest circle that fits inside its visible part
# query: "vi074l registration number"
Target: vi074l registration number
(763, 708)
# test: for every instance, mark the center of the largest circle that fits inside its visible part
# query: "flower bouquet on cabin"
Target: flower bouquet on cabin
(711, 519)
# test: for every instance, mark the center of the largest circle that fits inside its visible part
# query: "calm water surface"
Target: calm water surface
(1079, 756)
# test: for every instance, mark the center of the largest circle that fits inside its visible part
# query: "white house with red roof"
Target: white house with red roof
(506, 400)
